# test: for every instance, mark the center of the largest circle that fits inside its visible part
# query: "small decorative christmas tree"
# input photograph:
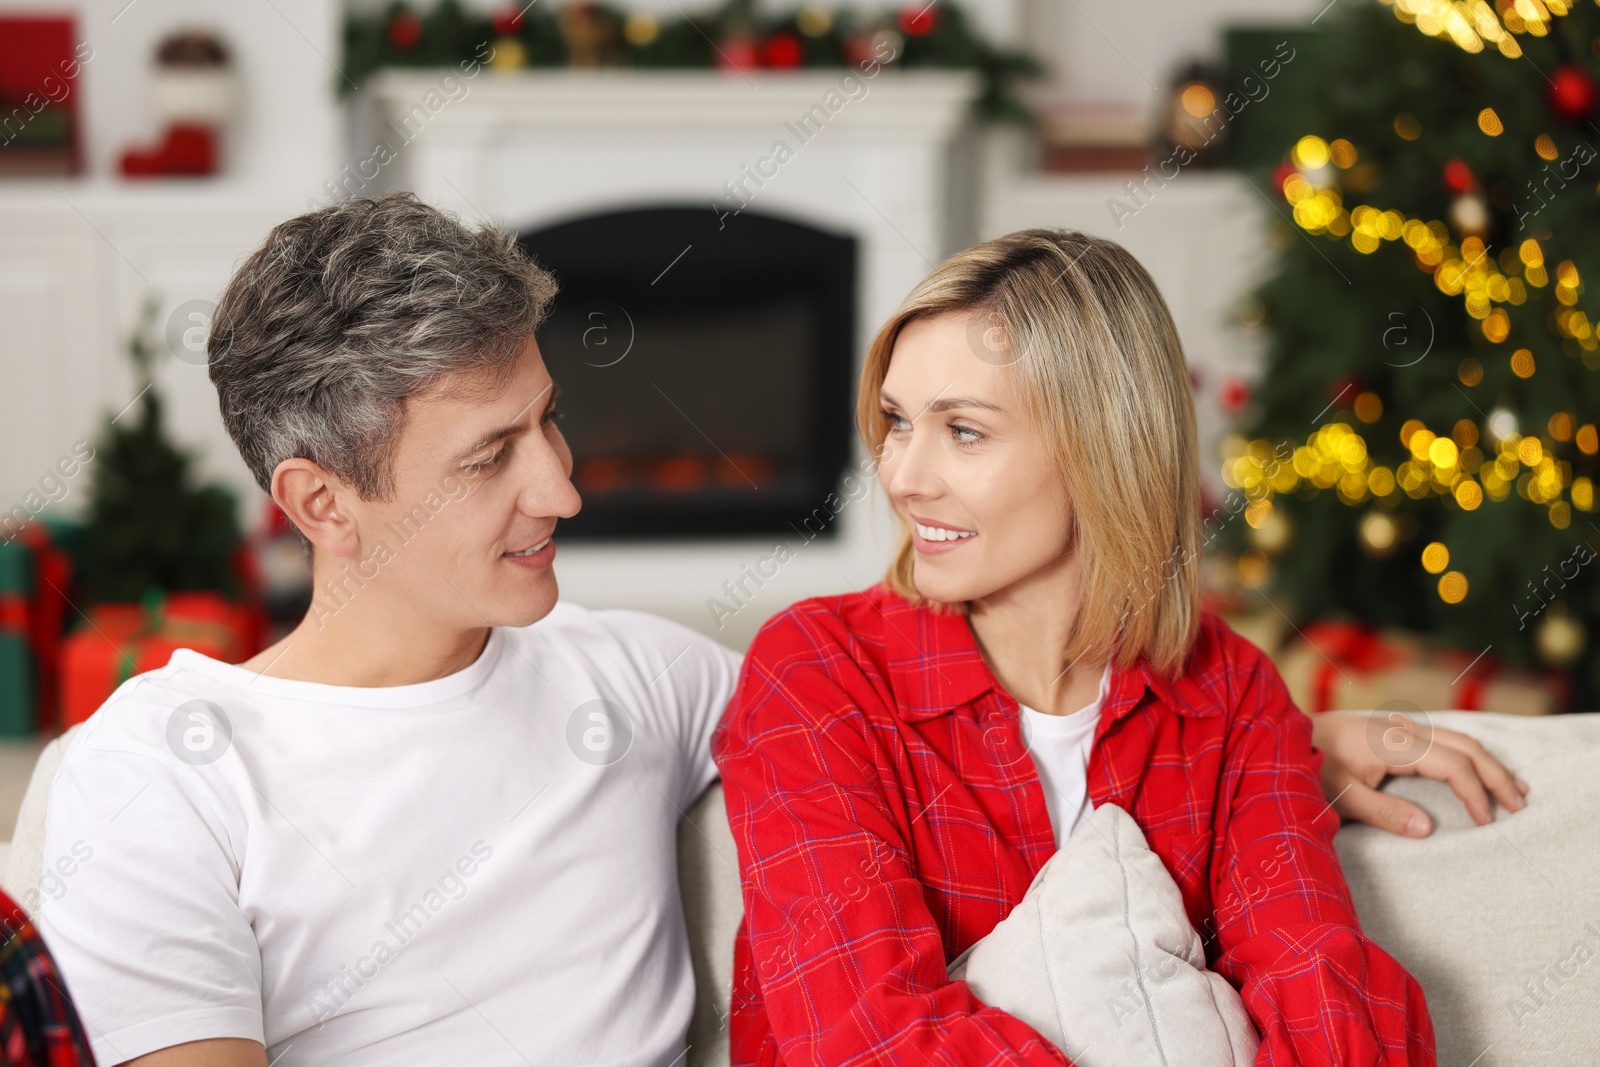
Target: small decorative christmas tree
(149, 527)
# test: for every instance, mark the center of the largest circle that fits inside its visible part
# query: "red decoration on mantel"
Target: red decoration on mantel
(1571, 93)
(782, 51)
(738, 52)
(918, 20)
(187, 149)
(405, 30)
(507, 20)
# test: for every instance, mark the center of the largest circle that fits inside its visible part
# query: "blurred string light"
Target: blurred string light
(1463, 269)
(1459, 464)
(1474, 24)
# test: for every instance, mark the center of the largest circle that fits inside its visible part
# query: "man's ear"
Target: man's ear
(314, 500)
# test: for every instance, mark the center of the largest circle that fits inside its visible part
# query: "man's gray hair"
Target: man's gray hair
(345, 312)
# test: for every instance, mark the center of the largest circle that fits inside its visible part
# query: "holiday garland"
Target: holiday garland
(734, 38)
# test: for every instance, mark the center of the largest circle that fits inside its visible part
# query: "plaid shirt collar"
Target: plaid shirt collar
(936, 667)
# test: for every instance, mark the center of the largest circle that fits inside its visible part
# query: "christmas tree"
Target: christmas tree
(1421, 450)
(149, 527)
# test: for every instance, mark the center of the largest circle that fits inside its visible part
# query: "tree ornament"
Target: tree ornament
(1273, 533)
(1378, 534)
(1282, 173)
(1560, 638)
(1470, 214)
(1234, 394)
(1344, 390)
(1571, 93)
(1458, 177)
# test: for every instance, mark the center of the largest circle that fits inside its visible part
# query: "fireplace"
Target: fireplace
(706, 362)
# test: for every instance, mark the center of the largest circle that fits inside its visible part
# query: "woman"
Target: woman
(899, 763)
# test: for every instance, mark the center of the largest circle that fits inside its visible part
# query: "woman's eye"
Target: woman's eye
(973, 435)
(895, 421)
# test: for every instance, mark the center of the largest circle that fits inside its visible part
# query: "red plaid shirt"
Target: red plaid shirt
(888, 815)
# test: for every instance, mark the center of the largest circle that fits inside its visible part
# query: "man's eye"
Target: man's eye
(488, 464)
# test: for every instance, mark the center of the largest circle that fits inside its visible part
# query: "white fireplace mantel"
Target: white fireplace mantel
(914, 105)
(887, 159)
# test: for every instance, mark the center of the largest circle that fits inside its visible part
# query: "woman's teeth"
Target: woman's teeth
(530, 551)
(939, 533)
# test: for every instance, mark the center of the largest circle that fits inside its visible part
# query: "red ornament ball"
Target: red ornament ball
(1234, 394)
(782, 51)
(405, 30)
(1458, 177)
(918, 20)
(739, 52)
(1344, 391)
(1280, 175)
(507, 20)
(1571, 93)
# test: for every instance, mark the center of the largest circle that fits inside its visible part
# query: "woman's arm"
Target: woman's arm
(1362, 750)
(846, 956)
(1317, 989)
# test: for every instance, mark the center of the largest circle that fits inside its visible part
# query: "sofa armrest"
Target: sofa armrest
(23, 867)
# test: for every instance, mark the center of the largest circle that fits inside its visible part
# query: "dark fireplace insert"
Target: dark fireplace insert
(706, 365)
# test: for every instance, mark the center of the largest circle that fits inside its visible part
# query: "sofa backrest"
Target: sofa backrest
(1500, 923)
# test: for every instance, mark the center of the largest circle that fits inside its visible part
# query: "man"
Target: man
(436, 823)
(420, 828)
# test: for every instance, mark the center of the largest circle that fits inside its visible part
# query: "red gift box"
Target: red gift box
(1339, 666)
(121, 640)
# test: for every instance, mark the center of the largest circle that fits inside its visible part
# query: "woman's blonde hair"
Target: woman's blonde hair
(1103, 376)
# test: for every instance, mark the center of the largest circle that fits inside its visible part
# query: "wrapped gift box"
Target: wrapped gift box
(121, 640)
(1336, 666)
(34, 576)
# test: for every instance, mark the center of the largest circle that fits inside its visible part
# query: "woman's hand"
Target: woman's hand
(1360, 751)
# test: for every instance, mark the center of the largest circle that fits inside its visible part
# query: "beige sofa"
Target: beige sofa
(1500, 923)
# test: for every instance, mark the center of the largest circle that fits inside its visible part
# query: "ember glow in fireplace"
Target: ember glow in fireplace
(706, 362)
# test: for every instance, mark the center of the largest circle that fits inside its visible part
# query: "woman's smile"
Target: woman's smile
(934, 537)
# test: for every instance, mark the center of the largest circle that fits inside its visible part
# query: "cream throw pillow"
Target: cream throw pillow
(1100, 958)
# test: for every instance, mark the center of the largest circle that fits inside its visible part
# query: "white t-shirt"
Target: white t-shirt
(475, 869)
(1060, 747)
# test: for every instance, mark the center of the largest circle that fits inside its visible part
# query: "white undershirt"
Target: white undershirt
(1060, 747)
(476, 869)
